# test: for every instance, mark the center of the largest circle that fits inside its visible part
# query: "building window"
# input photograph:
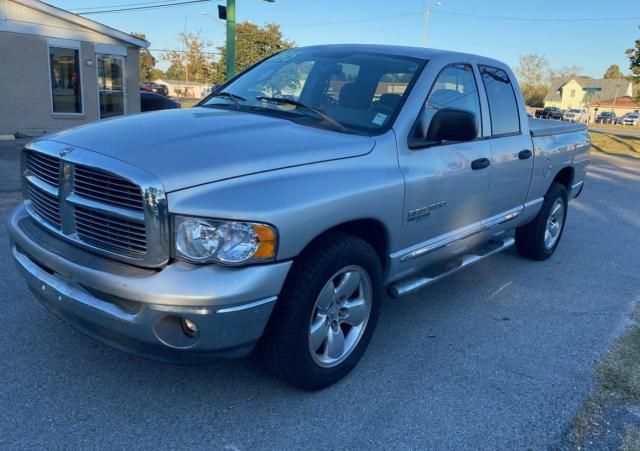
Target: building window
(111, 85)
(573, 93)
(66, 86)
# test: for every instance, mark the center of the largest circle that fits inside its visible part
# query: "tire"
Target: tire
(532, 240)
(287, 348)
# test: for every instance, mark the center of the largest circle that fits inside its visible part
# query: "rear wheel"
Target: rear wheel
(326, 314)
(538, 239)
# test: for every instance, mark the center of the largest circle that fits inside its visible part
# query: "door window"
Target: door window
(503, 108)
(454, 88)
(111, 85)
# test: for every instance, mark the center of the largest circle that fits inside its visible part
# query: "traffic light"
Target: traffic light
(222, 12)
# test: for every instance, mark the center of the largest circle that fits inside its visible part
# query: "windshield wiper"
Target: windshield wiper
(231, 96)
(316, 112)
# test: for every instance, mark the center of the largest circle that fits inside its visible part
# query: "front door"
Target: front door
(445, 198)
(111, 85)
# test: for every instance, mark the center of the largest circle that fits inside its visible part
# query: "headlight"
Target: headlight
(201, 240)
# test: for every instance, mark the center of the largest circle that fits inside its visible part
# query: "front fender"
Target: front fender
(304, 201)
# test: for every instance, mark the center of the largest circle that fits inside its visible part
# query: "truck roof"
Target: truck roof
(415, 52)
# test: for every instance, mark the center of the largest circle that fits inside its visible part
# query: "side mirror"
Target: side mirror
(448, 124)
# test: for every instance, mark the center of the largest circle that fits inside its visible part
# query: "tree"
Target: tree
(567, 72)
(613, 72)
(176, 71)
(147, 61)
(157, 73)
(532, 69)
(533, 75)
(634, 61)
(253, 43)
(192, 63)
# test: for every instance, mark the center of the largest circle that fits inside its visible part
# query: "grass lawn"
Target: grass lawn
(188, 103)
(617, 389)
(614, 127)
(616, 144)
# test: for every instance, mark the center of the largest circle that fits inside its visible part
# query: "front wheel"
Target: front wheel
(326, 314)
(539, 239)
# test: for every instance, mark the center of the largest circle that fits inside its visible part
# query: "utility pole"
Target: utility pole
(615, 96)
(228, 13)
(427, 11)
(231, 38)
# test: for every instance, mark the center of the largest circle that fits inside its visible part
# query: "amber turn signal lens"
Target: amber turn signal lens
(267, 237)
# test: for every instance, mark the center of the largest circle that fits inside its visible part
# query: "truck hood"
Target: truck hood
(193, 146)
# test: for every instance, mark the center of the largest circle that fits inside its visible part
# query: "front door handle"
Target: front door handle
(480, 163)
(524, 154)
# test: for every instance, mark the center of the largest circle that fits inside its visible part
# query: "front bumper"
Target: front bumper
(140, 310)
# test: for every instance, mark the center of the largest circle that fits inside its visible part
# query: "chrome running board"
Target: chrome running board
(412, 284)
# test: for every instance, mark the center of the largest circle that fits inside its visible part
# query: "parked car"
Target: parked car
(622, 118)
(276, 224)
(631, 119)
(576, 115)
(153, 102)
(606, 117)
(551, 112)
(157, 88)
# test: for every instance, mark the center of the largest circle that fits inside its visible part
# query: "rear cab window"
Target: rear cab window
(503, 106)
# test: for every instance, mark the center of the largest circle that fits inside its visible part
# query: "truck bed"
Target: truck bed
(546, 127)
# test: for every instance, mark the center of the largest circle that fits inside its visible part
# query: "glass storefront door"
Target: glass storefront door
(111, 87)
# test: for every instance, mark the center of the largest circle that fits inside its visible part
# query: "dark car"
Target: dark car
(153, 102)
(550, 112)
(606, 117)
(157, 88)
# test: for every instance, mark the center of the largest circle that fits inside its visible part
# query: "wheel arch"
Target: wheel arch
(565, 177)
(373, 231)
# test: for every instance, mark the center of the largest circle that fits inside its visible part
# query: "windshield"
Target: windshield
(575, 111)
(357, 92)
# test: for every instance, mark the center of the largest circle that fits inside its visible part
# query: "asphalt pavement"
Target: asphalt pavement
(498, 356)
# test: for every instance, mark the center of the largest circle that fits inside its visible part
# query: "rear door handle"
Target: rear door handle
(524, 154)
(480, 163)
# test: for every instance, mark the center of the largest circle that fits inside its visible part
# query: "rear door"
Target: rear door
(511, 144)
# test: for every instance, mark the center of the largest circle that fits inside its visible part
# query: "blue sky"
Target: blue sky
(551, 28)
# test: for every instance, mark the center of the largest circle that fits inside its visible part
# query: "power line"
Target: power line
(540, 19)
(144, 8)
(75, 10)
(478, 16)
(370, 19)
(184, 51)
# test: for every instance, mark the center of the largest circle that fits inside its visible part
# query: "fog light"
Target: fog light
(189, 328)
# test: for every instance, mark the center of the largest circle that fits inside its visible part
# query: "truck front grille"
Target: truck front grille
(45, 167)
(46, 205)
(115, 234)
(96, 208)
(104, 187)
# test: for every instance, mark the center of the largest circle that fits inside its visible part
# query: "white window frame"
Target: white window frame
(123, 57)
(65, 44)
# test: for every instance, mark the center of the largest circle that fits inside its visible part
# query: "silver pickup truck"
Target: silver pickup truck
(276, 214)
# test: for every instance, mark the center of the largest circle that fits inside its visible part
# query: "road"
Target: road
(498, 356)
